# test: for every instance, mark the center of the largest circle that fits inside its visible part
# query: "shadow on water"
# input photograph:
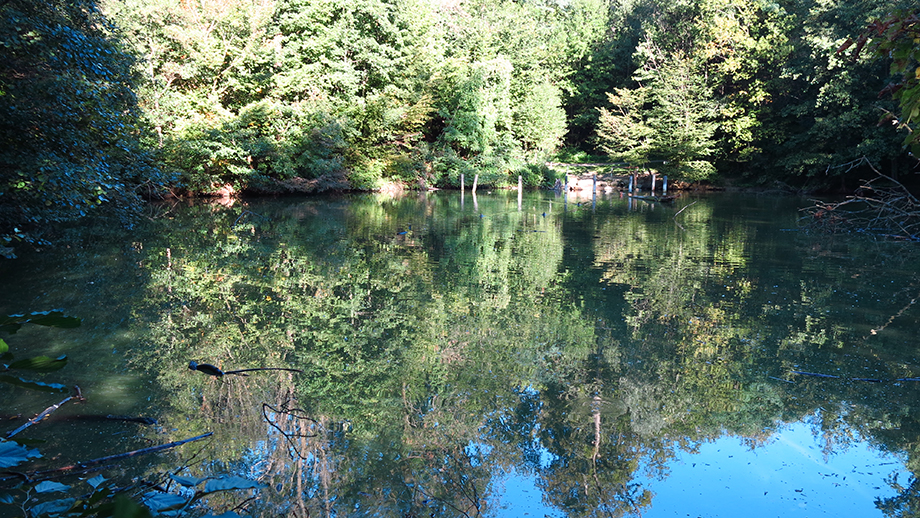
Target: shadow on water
(467, 356)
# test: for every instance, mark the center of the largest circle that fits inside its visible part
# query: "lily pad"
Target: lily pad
(96, 481)
(54, 507)
(161, 502)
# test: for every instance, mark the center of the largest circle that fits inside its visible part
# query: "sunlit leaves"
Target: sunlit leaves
(670, 118)
(896, 37)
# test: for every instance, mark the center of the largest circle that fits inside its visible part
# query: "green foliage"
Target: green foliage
(229, 89)
(898, 37)
(766, 75)
(669, 118)
(69, 133)
(265, 145)
(622, 130)
(539, 120)
(296, 95)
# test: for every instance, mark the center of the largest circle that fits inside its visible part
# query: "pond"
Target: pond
(493, 355)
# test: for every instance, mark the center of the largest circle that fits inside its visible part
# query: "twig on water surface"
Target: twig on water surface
(47, 412)
(243, 214)
(684, 207)
(212, 370)
(878, 330)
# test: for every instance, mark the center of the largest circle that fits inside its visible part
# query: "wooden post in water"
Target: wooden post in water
(664, 186)
(520, 192)
(594, 186)
(594, 196)
(462, 191)
(632, 181)
(475, 181)
(653, 183)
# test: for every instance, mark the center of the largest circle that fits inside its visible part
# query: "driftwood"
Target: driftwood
(90, 418)
(881, 207)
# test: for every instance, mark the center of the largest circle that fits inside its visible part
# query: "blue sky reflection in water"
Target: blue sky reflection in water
(608, 358)
(791, 474)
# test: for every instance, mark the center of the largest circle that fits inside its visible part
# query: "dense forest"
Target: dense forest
(105, 102)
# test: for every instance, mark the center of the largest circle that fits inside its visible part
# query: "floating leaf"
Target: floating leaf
(34, 385)
(159, 502)
(40, 364)
(96, 481)
(4, 348)
(53, 507)
(187, 481)
(230, 482)
(48, 486)
(12, 454)
(6, 498)
(53, 318)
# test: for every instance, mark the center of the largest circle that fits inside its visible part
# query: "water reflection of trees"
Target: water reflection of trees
(574, 347)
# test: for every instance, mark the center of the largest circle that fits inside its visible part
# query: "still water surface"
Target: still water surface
(487, 355)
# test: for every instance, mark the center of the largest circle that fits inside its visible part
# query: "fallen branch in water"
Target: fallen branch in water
(47, 412)
(684, 207)
(89, 464)
(882, 207)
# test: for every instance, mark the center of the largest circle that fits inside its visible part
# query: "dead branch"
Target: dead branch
(47, 412)
(89, 464)
(881, 207)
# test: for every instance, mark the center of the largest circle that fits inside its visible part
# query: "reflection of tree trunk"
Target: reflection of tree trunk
(596, 411)
(326, 473)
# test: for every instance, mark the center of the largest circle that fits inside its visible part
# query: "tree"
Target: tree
(898, 37)
(622, 130)
(69, 129)
(670, 116)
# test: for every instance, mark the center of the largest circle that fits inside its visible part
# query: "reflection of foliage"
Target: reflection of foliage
(440, 348)
(38, 489)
